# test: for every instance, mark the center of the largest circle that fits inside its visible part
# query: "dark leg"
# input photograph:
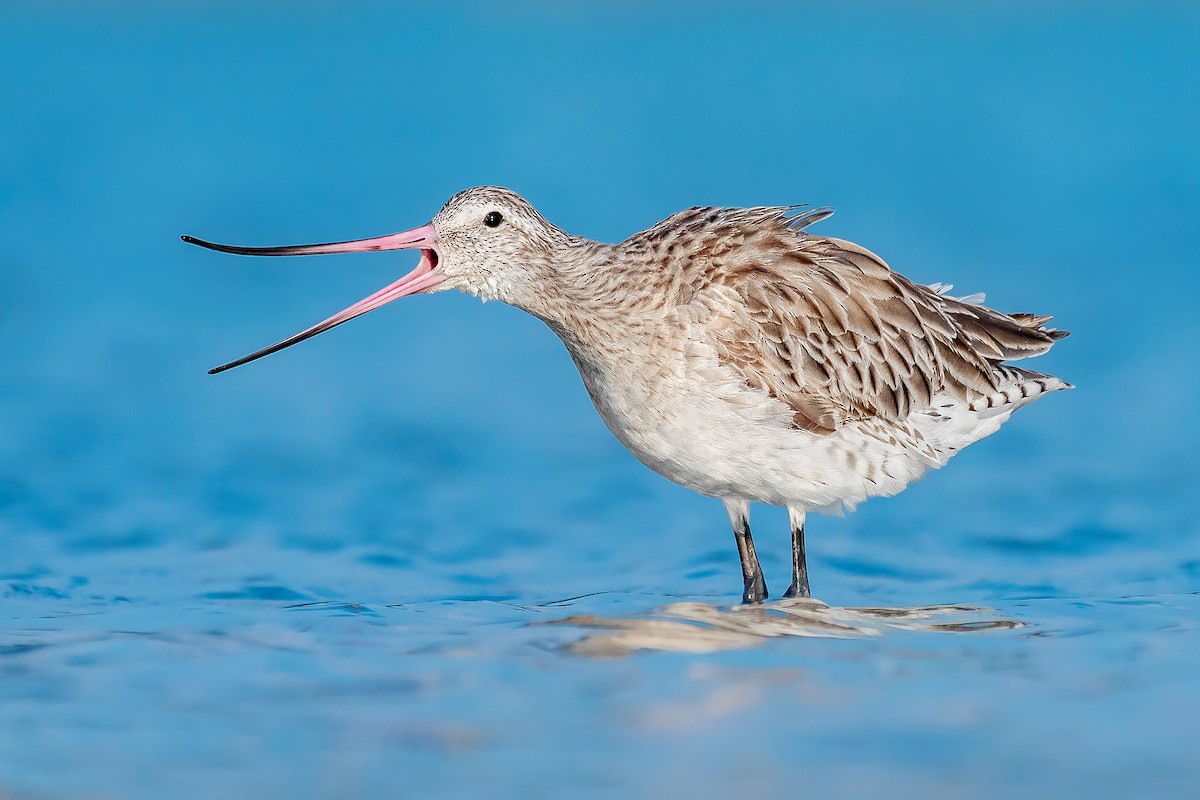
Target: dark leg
(799, 587)
(755, 588)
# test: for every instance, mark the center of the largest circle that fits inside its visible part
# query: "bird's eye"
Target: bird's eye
(493, 219)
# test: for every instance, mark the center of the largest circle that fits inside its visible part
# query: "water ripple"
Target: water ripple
(257, 593)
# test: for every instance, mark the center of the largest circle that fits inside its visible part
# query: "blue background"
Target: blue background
(316, 575)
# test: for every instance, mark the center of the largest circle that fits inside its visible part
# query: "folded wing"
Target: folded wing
(826, 327)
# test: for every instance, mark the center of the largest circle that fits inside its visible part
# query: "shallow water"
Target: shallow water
(406, 559)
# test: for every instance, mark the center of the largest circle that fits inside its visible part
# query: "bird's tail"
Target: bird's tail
(1019, 386)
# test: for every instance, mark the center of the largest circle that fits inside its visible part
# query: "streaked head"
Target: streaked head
(487, 241)
(494, 244)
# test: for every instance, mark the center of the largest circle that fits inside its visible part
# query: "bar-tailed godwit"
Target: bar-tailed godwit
(734, 352)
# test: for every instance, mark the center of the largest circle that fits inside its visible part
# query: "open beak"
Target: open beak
(425, 277)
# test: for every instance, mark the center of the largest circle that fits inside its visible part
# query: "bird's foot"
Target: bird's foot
(797, 590)
(755, 591)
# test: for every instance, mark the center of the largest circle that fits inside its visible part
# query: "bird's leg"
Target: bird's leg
(755, 588)
(799, 587)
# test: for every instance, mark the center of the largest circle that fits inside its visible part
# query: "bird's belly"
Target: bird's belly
(722, 439)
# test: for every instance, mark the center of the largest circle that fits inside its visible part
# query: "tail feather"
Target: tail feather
(1018, 386)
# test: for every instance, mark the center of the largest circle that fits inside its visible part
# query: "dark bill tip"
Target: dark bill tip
(293, 250)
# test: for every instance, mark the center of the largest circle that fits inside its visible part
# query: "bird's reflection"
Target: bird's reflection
(694, 627)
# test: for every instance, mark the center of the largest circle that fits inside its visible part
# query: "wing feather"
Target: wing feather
(827, 328)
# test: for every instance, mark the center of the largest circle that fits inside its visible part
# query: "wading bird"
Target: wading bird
(734, 352)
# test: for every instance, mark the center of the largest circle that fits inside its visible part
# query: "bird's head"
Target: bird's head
(493, 244)
(487, 241)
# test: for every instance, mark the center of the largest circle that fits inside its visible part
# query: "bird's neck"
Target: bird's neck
(602, 295)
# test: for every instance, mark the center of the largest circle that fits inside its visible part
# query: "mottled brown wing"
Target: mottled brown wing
(827, 328)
